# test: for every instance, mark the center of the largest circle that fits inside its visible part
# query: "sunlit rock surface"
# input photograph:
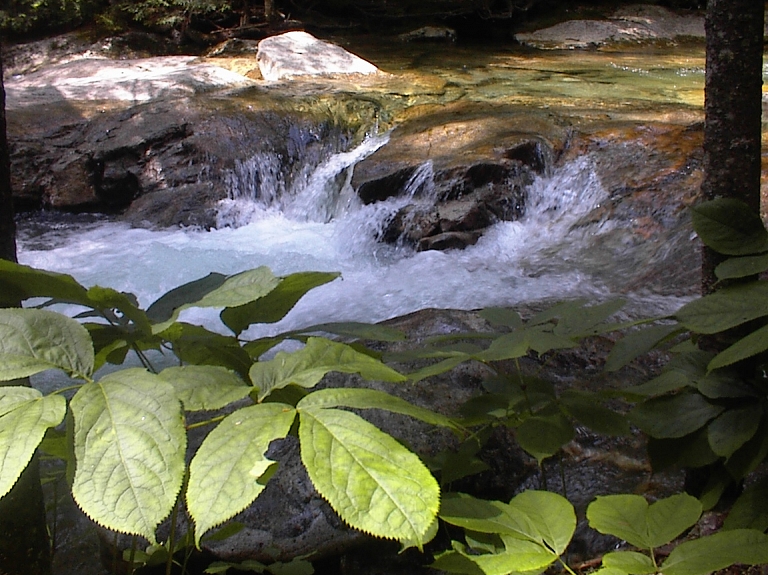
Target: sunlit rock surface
(300, 54)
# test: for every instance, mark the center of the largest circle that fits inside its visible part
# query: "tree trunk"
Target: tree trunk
(733, 104)
(24, 545)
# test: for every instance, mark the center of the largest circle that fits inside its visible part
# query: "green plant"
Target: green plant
(710, 408)
(533, 531)
(126, 432)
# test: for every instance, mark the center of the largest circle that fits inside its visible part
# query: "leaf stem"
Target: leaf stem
(206, 422)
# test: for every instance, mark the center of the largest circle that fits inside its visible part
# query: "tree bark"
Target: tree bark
(24, 545)
(733, 106)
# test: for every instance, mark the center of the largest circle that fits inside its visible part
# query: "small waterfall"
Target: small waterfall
(315, 193)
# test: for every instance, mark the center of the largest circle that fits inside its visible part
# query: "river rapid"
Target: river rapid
(564, 246)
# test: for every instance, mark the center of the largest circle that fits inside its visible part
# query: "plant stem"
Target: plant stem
(172, 537)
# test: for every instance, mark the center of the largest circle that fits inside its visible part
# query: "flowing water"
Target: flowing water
(317, 223)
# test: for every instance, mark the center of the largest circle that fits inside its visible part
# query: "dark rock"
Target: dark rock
(449, 241)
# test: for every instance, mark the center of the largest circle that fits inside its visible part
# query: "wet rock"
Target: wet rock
(295, 54)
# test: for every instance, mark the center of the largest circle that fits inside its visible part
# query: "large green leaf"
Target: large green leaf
(374, 483)
(733, 428)
(551, 515)
(276, 304)
(357, 330)
(196, 345)
(485, 516)
(583, 320)
(674, 416)
(108, 298)
(224, 474)
(752, 344)
(543, 435)
(589, 411)
(507, 346)
(623, 516)
(25, 415)
(359, 398)
(502, 316)
(730, 227)
(742, 267)
(630, 562)
(520, 556)
(706, 554)
(18, 283)
(33, 340)
(751, 508)
(129, 442)
(163, 309)
(307, 366)
(636, 343)
(234, 291)
(629, 517)
(725, 308)
(205, 387)
(668, 518)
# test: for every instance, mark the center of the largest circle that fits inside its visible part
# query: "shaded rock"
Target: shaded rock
(628, 24)
(300, 54)
(429, 34)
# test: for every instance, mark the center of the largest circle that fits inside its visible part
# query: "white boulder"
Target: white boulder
(295, 54)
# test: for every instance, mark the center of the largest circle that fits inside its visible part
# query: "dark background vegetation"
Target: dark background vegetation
(204, 22)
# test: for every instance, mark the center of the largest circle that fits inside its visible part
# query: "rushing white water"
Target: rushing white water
(319, 225)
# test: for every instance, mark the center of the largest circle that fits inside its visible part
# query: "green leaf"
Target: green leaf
(502, 316)
(357, 330)
(581, 321)
(236, 290)
(730, 227)
(541, 340)
(636, 343)
(360, 398)
(485, 516)
(205, 387)
(276, 304)
(674, 416)
(551, 515)
(543, 435)
(706, 554)
(725, 308)
(750, 455)
(25, 415)
(589, 411)
(558, 310)
(630, 562)
(224, 474)
(129, 442)
(754, 343)
(437, 368)
(689, 451)
(668, 381)
(629, 517)
(369, 479)
(668, 518)
(733, 428)
(751, 508)
(623, 516)
(742, 267)
(196, 345)
(307, 366)
(163, 309)
(19, 283)
(508, 346)
(108, 298)
(455, 562)
(33, 340)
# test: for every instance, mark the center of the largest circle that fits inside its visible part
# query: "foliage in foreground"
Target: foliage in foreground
(126, 433)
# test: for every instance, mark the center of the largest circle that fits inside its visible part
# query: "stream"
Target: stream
(555, 251)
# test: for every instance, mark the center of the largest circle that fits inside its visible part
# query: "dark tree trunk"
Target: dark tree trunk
(733, 102)
(24, 545)
(7, 226)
